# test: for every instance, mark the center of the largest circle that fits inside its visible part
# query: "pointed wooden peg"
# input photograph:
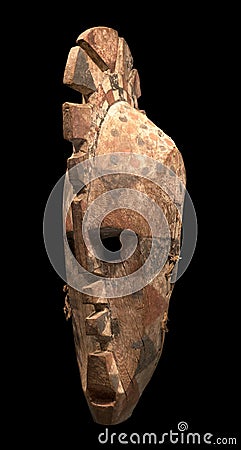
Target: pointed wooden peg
(99, 323)
(100, 43)
(76, 120)
(124, 61)
(77, 74)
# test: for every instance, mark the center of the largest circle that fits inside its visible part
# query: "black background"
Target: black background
(180, 58)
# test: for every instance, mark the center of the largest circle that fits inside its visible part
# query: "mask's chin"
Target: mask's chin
(112, 413)
(104, 387)
(109, 403)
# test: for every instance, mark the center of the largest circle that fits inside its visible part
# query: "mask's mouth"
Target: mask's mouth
(102, 401)
(103, 381)
(107, 399)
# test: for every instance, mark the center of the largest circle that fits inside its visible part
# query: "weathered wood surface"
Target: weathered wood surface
(118, 340)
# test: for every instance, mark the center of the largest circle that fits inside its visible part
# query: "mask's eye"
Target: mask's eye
(112, 243)
(119, 253)
(118, 244)
(110, 238)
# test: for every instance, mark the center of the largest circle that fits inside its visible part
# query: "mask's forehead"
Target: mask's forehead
(126, 129)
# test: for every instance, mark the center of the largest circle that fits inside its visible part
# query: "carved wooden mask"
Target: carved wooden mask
(119, 319)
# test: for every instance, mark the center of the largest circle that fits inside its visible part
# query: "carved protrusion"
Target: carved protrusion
(124, 61)
(101, 44)
(99, 323)
(134, 81)
(76, 120)
(77, 74)
(103, 381)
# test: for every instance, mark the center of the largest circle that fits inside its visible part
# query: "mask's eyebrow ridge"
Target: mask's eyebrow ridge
(96, 58)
